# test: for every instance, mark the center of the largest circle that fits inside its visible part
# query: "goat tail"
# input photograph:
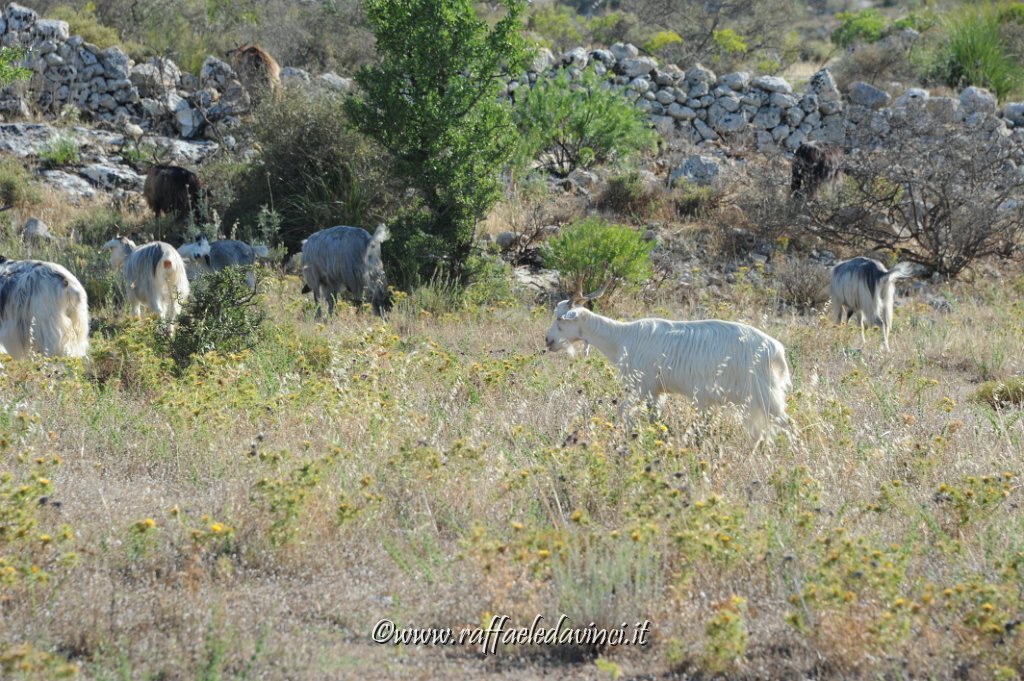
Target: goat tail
(381, 234)
(75, 306)
(901, 270)
(176, 276)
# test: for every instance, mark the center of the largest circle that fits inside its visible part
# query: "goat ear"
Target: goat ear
(569, 315)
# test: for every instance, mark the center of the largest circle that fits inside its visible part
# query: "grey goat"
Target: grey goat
(213, 257)
(345, 260)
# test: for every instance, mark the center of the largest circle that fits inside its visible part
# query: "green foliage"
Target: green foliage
(60, 152)
(864, 26)
(557, 26)
(432, 103)
(727, 635)
(730, 42)
(313, 172)
(83, 21)
(630, 196)
(222, 314)
(657, 43)
(11, 69)
(593, 252)
(1001, 394)
(575, 124)
(973, 51)
(16, 187)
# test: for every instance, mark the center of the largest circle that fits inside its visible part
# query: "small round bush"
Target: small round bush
(593, 252)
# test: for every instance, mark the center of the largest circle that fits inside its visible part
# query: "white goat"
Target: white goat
(213, 257)
(714, 363)
(340, 259)
(155, 275)
(42, 306)
(863, 285)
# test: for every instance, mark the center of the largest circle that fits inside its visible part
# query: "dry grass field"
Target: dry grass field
(256, 515)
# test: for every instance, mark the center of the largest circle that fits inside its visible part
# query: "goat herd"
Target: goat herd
(714, 363)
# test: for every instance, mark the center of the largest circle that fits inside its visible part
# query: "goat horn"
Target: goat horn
(596, 294)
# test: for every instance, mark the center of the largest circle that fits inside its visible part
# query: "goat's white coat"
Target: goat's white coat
(863, 285)
(155, 274)
(43, 307)
(712, 362)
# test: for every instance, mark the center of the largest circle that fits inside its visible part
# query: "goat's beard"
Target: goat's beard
(576, 348)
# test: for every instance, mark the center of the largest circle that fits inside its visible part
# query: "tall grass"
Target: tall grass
(974, 52)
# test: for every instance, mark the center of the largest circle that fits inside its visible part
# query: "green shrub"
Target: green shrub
(62, 151)
(556, 27)
(84, 22)
(694, 200)
(1002, 394)
(222, 314)
(593, 252)
(10, 65)
(629, 195)
(16, 186)
(973, 51)
(575, 124)
(313, 172)
(865, 26)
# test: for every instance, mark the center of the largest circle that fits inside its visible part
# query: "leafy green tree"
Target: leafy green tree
(578, 123)
(865, 26)
(433, 103)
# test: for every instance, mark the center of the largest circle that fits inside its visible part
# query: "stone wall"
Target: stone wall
(696, 104)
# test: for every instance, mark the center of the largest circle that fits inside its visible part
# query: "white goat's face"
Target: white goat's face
(119, 248)
(564, 331)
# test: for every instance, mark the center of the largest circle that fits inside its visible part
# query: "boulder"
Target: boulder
(636, 66)
(542, 61)
(976, 99)
(869, 96)
(624, 51)
(738, 81)
(35, 230)
(699, 170)
(772, 84)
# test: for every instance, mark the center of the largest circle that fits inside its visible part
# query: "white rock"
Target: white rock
(772, 84)
(976, 99)
(624, 51)
(337, 83)
(637, 66)
(699, 170)
(738, 81)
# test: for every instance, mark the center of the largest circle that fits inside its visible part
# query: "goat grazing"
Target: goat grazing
(213, 257)
(42, 306)
(815, 165)
(155, 275)
(173, 190)
(712, 362)
(347, 259)
(863, 285)
(258, 72)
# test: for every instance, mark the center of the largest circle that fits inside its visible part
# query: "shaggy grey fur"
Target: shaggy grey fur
(346, 260)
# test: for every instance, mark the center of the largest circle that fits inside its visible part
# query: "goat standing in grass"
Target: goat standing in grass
(863, 285)
(42, 306)
(155, 275)
(213, 257)
(346, 259)
(714, 363)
